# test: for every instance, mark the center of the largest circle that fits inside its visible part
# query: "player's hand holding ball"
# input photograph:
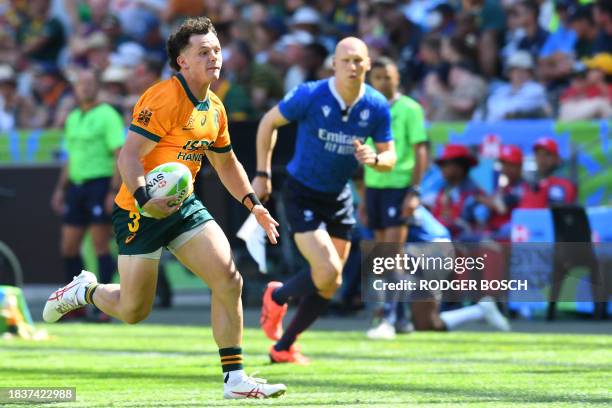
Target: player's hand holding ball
(364, 153)
(162, 207)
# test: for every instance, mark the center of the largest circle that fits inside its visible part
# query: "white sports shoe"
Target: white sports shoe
(251, 387)
(384, 331)
(65, 299)
(492, 315)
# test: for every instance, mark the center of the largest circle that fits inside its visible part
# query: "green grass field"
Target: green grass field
(173, 366)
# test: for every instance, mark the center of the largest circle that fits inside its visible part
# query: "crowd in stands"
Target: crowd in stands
(462, 59)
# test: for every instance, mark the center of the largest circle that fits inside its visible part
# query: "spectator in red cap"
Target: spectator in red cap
(549, 188)
(455, 204)
(509, 193)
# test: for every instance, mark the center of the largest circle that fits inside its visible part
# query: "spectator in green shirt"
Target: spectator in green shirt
(88, 181)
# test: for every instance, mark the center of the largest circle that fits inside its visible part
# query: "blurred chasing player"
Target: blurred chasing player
(178, 119)
(334, 116)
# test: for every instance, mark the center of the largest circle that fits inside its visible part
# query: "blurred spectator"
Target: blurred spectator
(455, 204)
(294, 45)
(40, 37)
(490, 20)
(431, 62)
(403, 35)
(93, 52)
(458, 50)
(137, 17)
(179, 9)
(113, 90)
(589, 95)
(603, 20)
(343, 18)
(508, 193)
(128, 54)
(556, 56)
(259, 81)
(522, 97)
(9, 52)
(54, 94)
(152, 41)
(548, 187)
(90, 18)
(421, 12)
(16, 111)
(442, 20)
(582, 23)
(527, 12)
(266, 35)
(563, 39)
(458, 99)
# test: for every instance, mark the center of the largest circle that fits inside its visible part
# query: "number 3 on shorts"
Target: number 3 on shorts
(134, 225)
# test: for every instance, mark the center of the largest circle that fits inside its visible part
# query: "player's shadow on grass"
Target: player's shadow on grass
(511, 396)
(459, 360)
(114, 375)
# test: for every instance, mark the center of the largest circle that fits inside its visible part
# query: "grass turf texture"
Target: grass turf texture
(177, 366)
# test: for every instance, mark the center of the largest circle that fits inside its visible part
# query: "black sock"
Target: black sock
(89, 292)
(106, 266)
(310, 308)
(73, 265)
(301, 285)
(231, 359)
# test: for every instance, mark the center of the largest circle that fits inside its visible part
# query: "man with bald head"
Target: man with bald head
(335, 116)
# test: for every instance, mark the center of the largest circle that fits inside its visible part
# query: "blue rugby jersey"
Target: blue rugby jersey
(324, 155)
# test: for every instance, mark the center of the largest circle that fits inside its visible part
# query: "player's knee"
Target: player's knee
(134, 315)
(230, 285)
(329, 277)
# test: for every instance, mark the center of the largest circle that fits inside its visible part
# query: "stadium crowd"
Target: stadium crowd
(461, 59)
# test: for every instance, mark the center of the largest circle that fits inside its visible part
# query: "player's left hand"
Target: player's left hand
(364, 153)
(269, 224)
(411, 202)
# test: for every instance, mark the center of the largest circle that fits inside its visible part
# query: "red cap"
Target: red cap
(547, 143)
(456, 151)
(511, 154)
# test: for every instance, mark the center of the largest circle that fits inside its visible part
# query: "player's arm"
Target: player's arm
(383, 159)
(234, 178)
(132, 174)
(266, 140)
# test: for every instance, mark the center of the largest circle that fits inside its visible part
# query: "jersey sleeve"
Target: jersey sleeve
(153, 115)
(382, 131)
(416, 125)
(294, 104)
(115, 131)
(222, 143)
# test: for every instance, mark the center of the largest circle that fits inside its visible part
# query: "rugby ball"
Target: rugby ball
(166, 180)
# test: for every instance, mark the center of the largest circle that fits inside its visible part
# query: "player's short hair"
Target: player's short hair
(383, 62)
(179, 39)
